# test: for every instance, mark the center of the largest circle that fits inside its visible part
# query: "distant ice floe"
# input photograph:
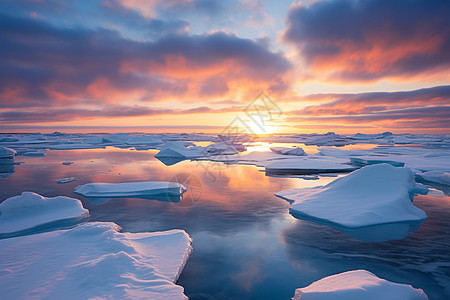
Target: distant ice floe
(358, 284)
(38, 152)
(288, 151)
(94, 261)
(365, 161)
(6, 152)
(130, 189)
(173, 152)
(376, 194)
(7, 162)
(30, 212)
(440, 177)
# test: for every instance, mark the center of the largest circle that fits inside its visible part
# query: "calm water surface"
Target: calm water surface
(246, 245)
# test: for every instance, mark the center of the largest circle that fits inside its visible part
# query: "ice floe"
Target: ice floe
(39, 152)
(288, 151)
(364, 161)
(309, 165)
(440, 177)
(357, 284)
(375, 194)
(173, 152)
(65, 180)
(7, 162)
(6, 152)
(130, 189)
(94, 261)
(30, 211)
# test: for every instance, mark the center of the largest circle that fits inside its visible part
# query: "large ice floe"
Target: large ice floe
(376, 194)
(94, 261)
(31, 212)
(358, 285)
(130, 189)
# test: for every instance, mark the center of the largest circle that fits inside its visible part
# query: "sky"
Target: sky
(345, 66)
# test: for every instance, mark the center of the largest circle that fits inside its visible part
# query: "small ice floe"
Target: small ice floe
(32, 212)
(307, 166)
(309, 177)
(435, 193)
(94, 260)
(179, 150)
(373, 195)
(65, 180)
(38, 152)
(66, 163)
(130, 189)
(288, 151)
(358, 284)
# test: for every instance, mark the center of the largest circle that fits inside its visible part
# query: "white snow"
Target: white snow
(94, 261)
(309, 165)
(130, 189)
(375, 194)
(358, 285)
(29, 210)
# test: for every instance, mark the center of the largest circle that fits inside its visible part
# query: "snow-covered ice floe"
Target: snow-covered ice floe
(440, 177)
(365, 161)
(31, 212)
(376, 194)
(288, 151)
(358, 285)
(94, 261)
(130, 189)
(308, 165)
(173, 152)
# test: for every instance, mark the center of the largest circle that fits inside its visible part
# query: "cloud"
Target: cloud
(345, 104)
(42, 65)
(352, 40)
(418, 109)
(434, 117)
(67, 114)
